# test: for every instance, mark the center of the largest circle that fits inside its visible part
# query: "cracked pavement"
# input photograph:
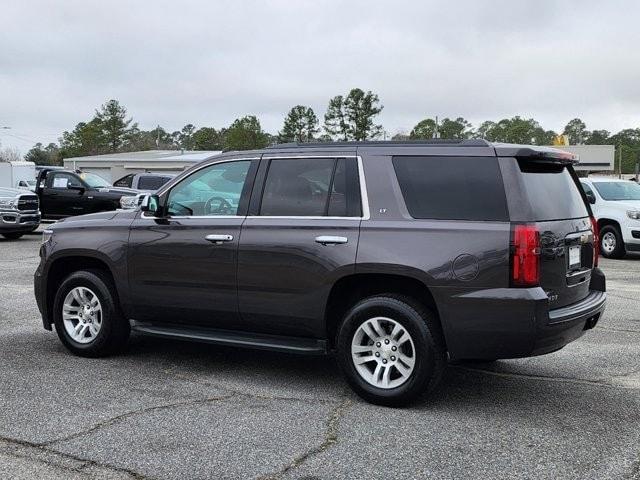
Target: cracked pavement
(178, 410)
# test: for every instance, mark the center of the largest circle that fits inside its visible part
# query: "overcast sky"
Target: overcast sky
(209, 62)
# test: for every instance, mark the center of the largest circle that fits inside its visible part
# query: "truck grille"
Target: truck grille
(28, 202)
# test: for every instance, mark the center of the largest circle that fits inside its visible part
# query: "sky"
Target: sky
(210, 62)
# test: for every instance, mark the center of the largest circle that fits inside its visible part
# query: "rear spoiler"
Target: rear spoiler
(540, 154)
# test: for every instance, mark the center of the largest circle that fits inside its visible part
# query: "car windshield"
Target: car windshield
(618, 190)
(94, 181)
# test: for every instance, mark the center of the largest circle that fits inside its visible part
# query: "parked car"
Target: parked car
(19, 212)
(144, 182)
(616, 205)
(64, 193)
(393, 256)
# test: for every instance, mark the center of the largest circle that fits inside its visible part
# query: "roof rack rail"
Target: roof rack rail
(369, 143)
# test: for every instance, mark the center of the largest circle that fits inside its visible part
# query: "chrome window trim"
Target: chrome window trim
(224, 160)
(364, 198)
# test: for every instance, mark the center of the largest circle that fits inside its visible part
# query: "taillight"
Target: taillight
(526, 256)
(596, 241)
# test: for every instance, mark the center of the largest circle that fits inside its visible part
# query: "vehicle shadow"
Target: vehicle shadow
(463, 385)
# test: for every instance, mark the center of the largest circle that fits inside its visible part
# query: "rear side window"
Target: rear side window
(452, 188)
(124, 181)
(552, 192)
(311, 187)
(149, 182)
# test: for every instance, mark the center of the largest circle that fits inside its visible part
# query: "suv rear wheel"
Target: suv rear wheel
(86, 315)
(611, 243)
(390, 349)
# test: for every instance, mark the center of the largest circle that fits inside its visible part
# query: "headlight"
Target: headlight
(635, 214)
(46, 236)
(128, 202)
(8, 203)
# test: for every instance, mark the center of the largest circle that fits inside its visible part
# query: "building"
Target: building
(113, 166)
(594, 158)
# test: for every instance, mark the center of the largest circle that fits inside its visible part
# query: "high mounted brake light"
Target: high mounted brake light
(525, 259)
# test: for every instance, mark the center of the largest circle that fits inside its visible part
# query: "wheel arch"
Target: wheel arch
(63, 265)
(350, 289)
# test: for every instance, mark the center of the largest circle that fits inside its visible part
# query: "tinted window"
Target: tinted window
(345, 190)
(151, 182)
(311, 187)
(214, 190)
(452, 188)
(124, 181)
(552, 192)
(618, 190)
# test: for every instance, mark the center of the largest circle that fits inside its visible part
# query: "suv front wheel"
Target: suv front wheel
(86, 315)
(390, 349)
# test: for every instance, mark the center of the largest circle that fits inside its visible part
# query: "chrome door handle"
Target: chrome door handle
(331, 240)
(219, 238)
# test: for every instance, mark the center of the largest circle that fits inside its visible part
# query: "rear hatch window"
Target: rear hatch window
(552, 192)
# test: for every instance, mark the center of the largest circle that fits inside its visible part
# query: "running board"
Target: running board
(309, 346)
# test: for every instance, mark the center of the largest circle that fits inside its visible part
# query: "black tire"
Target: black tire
(114, 331)
(424, 329)
(618, 251)
(12, 236)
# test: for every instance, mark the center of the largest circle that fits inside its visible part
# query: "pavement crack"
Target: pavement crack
(123, 416)
(330, 438)
(85, 462)
(611, 329)
(577, 381)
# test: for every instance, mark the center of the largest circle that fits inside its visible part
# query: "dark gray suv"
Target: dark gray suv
(395, 257)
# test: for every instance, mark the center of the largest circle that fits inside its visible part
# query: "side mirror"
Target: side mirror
(77, 188)
(150, 203)
(591, 197)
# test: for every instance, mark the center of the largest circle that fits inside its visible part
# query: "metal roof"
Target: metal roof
(155, 155)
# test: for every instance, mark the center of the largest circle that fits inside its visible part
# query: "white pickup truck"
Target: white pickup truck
(616, 206)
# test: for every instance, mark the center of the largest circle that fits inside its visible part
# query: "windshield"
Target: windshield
(618, 190)
(94, 181)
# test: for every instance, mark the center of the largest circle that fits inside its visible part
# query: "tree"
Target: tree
(10, 155)
(245, 134)
(208, 138)
(576, 130)
(300, 125)
(114, 125)
(515, 130)
(598, 137)
(185, 137)
(40, 155)
(352, 117)
(424, 129)
(455, 129)
(448, 129)
(84, 139)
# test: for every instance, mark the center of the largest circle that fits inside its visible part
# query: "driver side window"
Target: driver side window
(212, 191)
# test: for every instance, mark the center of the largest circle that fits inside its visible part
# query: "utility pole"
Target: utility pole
(158, 137)
(436, 134)
(620, 162)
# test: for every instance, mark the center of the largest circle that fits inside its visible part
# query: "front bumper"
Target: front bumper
(18, 221)
(512, 323)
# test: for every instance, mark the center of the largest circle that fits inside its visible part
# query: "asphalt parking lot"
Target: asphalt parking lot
(179, 410)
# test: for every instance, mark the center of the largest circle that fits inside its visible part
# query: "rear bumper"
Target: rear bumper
(512, 322)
